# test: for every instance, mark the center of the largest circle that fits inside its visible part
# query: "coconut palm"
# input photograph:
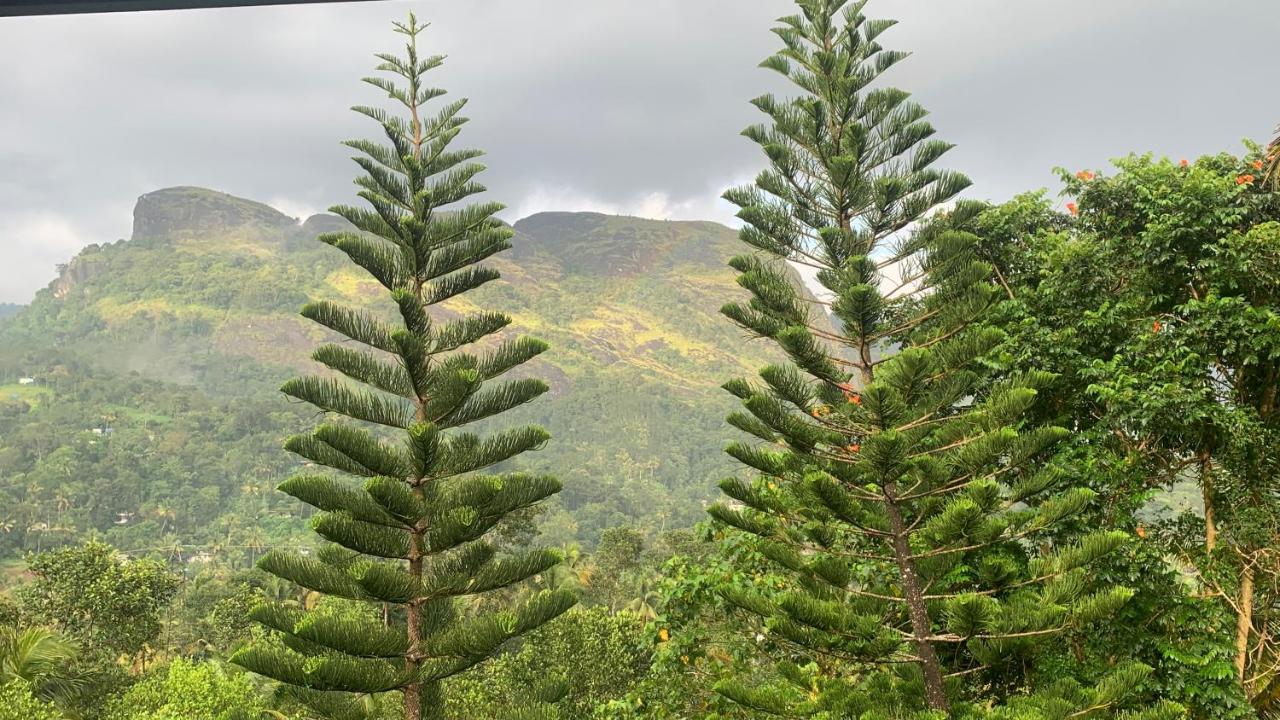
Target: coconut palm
(40, 657)
(573, 573)
(166, 516)
(39, 529)
(256, 541)
(646, 601)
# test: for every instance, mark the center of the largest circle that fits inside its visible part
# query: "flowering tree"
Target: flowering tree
(1153, 301)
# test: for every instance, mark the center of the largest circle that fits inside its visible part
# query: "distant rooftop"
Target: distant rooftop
(66, 7)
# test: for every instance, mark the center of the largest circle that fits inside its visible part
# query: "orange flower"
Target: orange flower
(1257, 164)
(1071, 208)
(1183, 163)
(1085, 175)
(1141, 531)
(855, 447)
(854, 398)
(1245, 179)
(1156, 326)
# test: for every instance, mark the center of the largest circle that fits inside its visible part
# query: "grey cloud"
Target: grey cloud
(600, 104)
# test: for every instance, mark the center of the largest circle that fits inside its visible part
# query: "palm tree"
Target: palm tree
(646, 601)
(573, 573)
(165, 515)
(41, 658)
(62, 502)
(38, 529)
(256, 542)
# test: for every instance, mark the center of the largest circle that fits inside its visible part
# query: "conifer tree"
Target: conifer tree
(903, 494)
(408, 506)
(1271, 168)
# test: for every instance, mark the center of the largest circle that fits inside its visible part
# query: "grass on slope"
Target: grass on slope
(32, 395)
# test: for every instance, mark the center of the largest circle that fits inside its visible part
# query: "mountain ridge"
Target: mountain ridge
(173, 210)
(207, 296)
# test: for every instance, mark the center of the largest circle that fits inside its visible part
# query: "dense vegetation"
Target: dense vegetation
(993, 426)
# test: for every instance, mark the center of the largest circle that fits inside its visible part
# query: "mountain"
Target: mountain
(203, 300)
(8, 310)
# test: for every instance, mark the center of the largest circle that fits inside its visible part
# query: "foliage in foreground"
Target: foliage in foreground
(19, 701)
(186, 689)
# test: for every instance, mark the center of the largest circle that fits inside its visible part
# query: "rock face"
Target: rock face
(79, 270)
(323, 223)
(190, 210)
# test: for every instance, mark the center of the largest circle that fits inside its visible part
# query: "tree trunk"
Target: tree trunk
(421, 700)
(1244, 621)
(921, 625)
(413, 693)
(864, 357)
(1206, 487)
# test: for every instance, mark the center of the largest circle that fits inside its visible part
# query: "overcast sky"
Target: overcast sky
(617, 106)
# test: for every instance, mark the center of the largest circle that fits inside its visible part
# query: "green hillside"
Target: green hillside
(185, 331)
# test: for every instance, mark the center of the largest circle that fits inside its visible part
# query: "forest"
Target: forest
(993, 461)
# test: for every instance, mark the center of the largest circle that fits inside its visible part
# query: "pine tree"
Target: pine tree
(902, 491)
(1271, 168)
(407, 520)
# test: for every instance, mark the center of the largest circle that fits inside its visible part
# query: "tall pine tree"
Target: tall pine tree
(406, 520)
(902, 492)
(1271, 167)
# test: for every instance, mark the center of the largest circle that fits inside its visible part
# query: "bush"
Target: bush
(185, 690)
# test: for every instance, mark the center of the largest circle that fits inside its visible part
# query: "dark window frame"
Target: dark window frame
(11, 8)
